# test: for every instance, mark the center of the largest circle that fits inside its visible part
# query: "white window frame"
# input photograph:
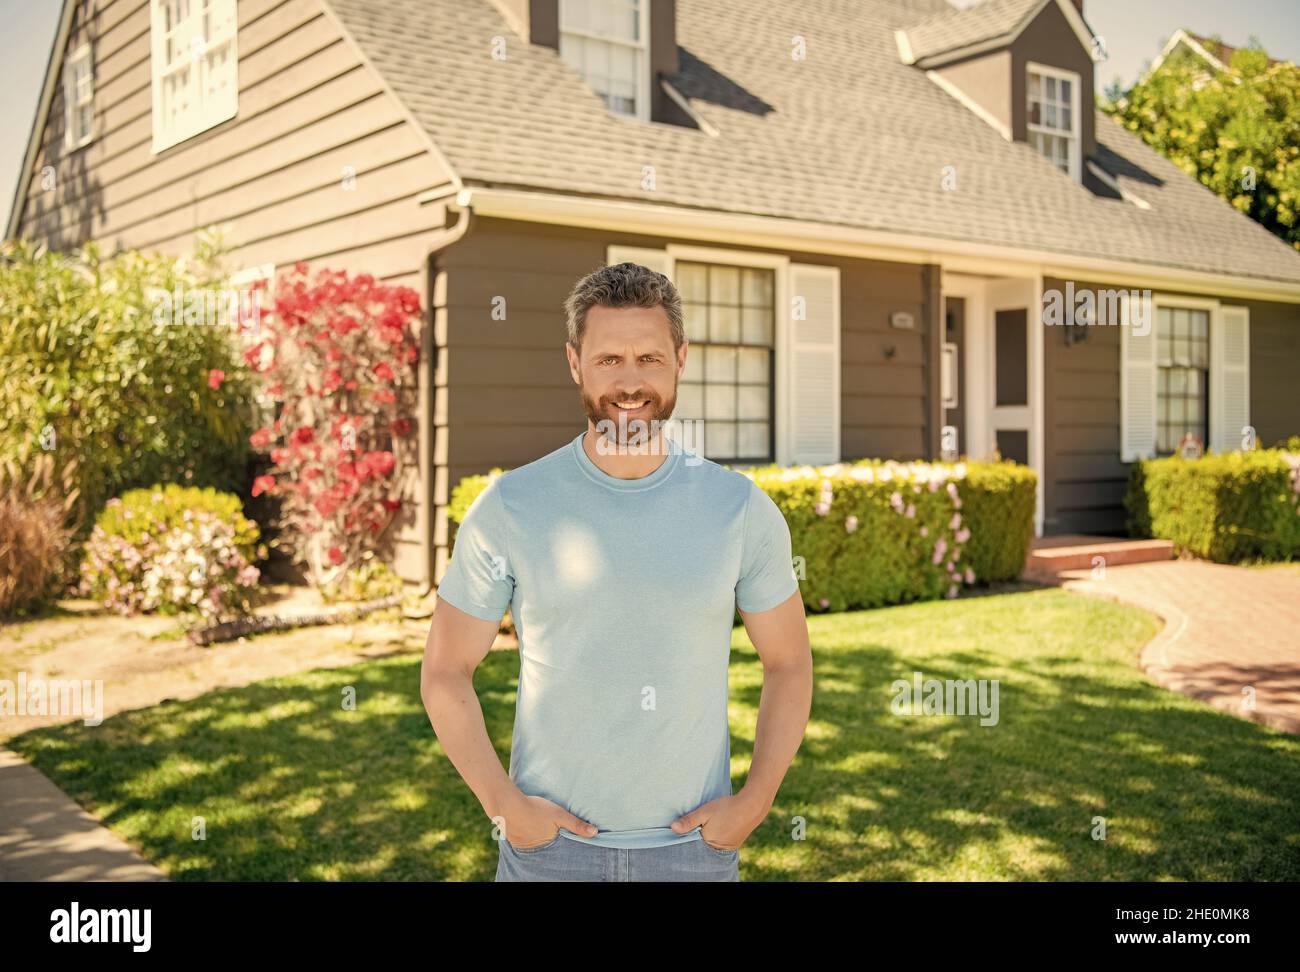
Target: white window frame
(1211, 307)
(205, 115)
(665, 260)
(642, 53)
(75, 98)
(1075, 136)
(780, 265)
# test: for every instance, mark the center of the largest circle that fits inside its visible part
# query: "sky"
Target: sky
(1134, 32)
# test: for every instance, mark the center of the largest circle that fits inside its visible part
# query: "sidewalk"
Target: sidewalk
(46, 836)
(1231, 635)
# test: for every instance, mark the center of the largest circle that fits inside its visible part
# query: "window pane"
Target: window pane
(690, 401)
(757, 325)
(753, 440)
(720, 440)
(752, 401)
(1200, 324)
(724, 285)
(692, 281)
(724, 324)
(720, 401)
(753, 365)
(694, 370)
(757, 288)
(720, 364)
(696, 320)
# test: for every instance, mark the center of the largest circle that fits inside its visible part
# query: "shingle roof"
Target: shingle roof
(850, 136)
(953, 28)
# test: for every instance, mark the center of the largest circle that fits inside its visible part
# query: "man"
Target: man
(623, 559)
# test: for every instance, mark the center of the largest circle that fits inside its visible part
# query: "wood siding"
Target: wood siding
(1085, 480)
(311, 111)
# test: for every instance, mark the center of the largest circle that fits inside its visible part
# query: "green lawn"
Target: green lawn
(293, 786)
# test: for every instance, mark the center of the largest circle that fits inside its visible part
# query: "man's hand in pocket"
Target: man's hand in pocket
(725, 823)
(531, 821)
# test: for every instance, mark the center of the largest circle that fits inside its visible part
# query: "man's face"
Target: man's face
(627, 371)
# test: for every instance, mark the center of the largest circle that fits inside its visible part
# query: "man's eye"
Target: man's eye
(607, 360)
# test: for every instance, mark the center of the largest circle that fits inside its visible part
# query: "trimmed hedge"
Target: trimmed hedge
(1225, 507)
(874, 532)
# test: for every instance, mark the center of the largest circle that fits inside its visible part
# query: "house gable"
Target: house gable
(990, 74)
(312, 114)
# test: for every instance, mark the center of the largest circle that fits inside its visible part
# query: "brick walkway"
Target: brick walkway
(1226, 629)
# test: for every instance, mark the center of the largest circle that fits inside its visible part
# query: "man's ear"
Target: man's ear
(681, 358)
(572, 355)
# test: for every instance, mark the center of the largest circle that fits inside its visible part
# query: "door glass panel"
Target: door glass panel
(1011, 365)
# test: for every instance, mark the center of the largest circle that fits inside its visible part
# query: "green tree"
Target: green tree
(96, 364)
(1237, 131)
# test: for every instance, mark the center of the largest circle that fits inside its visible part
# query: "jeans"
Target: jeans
(562, 859)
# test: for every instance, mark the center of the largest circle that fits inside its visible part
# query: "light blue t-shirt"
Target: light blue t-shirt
(623, 593)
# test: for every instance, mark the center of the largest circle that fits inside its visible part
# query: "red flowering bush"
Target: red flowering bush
(337, 360)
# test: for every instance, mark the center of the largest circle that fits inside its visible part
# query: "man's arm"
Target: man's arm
(457, 643)
(780, 636)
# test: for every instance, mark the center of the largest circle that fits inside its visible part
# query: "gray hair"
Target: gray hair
(623, 285)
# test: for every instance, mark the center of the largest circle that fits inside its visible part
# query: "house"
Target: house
(1209, 53)
(876, 212)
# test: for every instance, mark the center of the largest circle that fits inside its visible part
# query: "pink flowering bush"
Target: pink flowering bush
(872, 533)
(336, 361)
(172, 549)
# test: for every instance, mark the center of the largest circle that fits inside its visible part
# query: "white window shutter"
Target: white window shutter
(813, 366)
(1137, 384)
(660, 261)
(1229, 378)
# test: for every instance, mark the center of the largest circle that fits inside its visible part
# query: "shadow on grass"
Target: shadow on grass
(288, 784)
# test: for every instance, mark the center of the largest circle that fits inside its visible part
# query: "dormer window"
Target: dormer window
(1053, 120)
(605, 42)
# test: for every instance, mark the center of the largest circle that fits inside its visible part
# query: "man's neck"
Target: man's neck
(626, 462)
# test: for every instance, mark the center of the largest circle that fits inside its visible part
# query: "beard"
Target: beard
(623, 430)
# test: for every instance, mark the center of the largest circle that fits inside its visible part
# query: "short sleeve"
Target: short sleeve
(767, 575)
(480, 577)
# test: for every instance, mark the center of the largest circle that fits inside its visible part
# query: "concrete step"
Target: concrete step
(1053, 555)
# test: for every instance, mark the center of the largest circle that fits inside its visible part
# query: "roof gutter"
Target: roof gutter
(957, 256)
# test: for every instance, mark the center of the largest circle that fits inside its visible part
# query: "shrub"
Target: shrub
(92, 366)
(877, 532)
(369, 581)
(37, 520)
(1226, 507)
(171, 549)
(337, 361)
(999, 499)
